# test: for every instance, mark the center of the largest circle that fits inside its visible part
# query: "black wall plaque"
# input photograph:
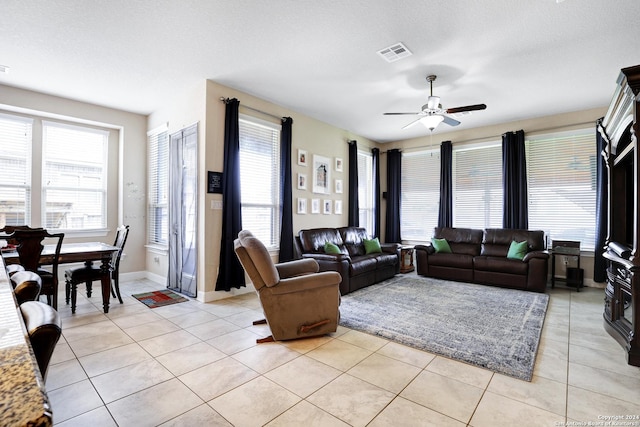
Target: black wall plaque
(214, 182)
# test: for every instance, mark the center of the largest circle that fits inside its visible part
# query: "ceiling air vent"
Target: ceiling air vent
(395, 52)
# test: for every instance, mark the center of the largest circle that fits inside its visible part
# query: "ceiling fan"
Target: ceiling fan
(432, 112)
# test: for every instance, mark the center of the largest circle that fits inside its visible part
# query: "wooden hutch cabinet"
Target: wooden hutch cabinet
(621, 130)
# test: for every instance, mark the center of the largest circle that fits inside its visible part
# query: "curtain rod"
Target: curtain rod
(490, 137)
(223, 99)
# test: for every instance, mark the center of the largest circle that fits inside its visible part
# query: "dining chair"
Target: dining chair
(26, 286)
(29, 248)
(90, 273)
(44, 329)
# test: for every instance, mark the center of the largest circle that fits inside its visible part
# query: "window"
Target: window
(420, 201)
(74, 177)
(477, 186)
(260, 179)
(365, 191)
(561, 170)
(15, 170)
(157, 185)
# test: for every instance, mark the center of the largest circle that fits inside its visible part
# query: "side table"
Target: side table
(406, 259)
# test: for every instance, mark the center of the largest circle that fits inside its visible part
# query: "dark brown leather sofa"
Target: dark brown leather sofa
(480, 256)
(357, 268)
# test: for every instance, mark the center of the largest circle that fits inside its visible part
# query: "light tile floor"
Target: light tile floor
(194, 364)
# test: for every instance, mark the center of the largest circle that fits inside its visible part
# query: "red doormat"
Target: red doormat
(159, 298)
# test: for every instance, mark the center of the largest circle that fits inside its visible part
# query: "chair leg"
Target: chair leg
(67, 291)
(116, 286)
(74, 295)
(88, 288)
(265, 339)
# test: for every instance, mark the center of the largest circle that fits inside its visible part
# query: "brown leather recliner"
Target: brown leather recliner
(297, 300)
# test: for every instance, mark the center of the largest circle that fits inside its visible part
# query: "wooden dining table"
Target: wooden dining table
(71, 253)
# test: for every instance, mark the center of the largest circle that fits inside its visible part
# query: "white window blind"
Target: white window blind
(260, 179)
(74, 184)
(365, 191)
(477, 186)
(157, 186)
(420, 194)
(15, 170)
(561, 170)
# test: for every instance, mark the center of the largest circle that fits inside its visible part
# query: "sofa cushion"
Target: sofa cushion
(441, 246)
(500, 264)
(461, 240)
(353, 238)
(496, 241)
(386, 259)
(517, 250)
(372, 246)
(451, 260)
(312, 241)
(363, 264)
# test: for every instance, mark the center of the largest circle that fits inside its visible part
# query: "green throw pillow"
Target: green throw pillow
(372, 246)
(331, 248)
(517, 250)
(441, 246)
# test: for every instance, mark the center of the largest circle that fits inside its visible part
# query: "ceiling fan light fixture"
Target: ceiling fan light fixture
(433, 102)
(431, 121)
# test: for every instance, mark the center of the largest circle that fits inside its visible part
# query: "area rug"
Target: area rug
(159, 298)
(494, 328)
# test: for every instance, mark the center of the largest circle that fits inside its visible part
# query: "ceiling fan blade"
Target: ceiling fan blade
(401, 114)
(466, 108)
(448, 120)
(411, 124)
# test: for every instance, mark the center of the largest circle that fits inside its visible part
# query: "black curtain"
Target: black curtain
(353, 219)
(375, 155)
(394, 179)
(515, 214)
(286, 210)
(602, 208)
(445, 213)
(230, 273)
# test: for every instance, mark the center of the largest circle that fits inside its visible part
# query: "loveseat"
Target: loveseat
(357, 267)
(481, 256)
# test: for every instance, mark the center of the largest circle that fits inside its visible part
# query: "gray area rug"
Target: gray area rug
(494, 328)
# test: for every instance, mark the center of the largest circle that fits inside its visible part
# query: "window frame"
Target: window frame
(366, 207)
(157, 186)
(275, 204)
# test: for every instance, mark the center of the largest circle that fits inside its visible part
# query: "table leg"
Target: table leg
(105, 281)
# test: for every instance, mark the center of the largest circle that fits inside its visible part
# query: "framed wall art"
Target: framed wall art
(302, 181)
(302, 157)
(337, 207)
(302, 206)
(321, 174)
(315, 206)
(338, 164)
(338, 186)
(326, 207)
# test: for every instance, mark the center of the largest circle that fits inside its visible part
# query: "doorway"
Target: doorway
(183, 208)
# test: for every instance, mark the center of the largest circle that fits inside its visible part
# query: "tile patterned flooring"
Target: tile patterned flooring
(198, 364)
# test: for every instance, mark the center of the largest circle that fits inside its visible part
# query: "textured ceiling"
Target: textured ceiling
(523, 58)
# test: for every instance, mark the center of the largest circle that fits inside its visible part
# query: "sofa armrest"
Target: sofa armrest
(297, 267)
(428, 248)
(391, 248)
(535, 254)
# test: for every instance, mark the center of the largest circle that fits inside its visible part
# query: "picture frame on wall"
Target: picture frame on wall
(338, 186)
(326, 207)
(302, 206)
(302, 157)
(302, 181)
(338, 164)
(315, 206)
(321, 174)
(337, 207)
